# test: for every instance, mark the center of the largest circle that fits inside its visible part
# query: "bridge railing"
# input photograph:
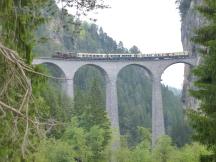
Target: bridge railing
(139, 56)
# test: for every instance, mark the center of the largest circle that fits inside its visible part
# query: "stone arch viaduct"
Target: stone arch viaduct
(111, 69)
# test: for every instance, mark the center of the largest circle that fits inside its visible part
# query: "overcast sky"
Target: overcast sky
(152, 25)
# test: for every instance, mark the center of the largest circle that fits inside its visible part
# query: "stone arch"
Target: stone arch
(142, 102)
(167, 106)
(176, 62)
(101, 69)
(81, 82)
(138, 65)
(110, 95)
(63, 75)
(52, 63)
(56, 71)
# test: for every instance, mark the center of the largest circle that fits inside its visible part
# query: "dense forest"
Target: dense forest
(40, 123)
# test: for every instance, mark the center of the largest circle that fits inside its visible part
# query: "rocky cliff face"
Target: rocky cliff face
(191, 21)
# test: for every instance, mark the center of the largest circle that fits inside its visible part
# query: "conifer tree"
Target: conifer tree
(203, 120)
(91, 112)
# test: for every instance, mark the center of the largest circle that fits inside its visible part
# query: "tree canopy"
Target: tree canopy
(204, 119)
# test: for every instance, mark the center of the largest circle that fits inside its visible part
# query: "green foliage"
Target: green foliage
(48, 108)
(77, 137)
(90, 108)
(91, 111)
(76, 143)
(134, 49)
(134, 98)
(193, 152)
(53, 150)
(52, 103)
(175, 122)
(203, 120)
(163, 151)
(19, 19)
(142, 151)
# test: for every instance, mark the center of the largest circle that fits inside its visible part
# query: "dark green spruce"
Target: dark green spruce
(204, 119)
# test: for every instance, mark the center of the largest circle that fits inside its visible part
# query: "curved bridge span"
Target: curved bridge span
(111, 69)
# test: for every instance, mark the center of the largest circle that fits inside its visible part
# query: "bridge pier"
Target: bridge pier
(158, 128)
(69, 88)
(112, 108)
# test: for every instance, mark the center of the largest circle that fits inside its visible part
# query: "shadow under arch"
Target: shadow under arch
(136, 65)
(54, 69)
(102, 71)
(134, 89)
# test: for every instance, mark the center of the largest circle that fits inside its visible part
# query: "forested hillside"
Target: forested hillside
(63, 33)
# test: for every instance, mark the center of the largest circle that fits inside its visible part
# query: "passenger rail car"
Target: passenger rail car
(139, 56)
